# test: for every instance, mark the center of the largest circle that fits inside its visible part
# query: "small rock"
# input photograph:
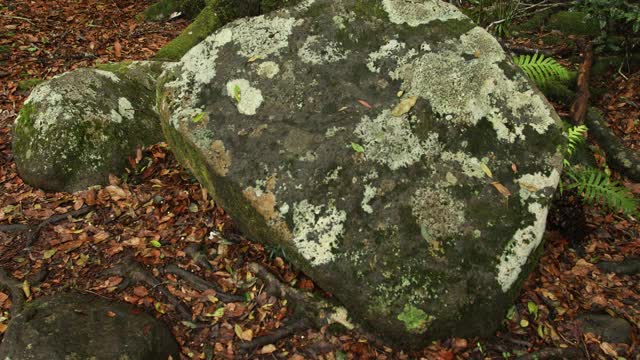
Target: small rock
(612, 330)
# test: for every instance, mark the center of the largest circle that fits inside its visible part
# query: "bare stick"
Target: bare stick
(201, 284)
(581, 103)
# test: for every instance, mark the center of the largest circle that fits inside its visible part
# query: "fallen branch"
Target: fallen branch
(33, 230)
(202, 284)
(276, 335)
(132, 270)
(581, 102)
(625, 267)
(15, 288)
(619, 157)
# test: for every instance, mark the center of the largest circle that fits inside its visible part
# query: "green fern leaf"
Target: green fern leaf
(541, 69)
(575, 136)
(597, 188)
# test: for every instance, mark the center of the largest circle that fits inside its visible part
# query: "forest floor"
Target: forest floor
(159, 209)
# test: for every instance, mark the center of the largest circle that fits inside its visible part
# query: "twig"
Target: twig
(15, 288)
(130, 268)
(277, 334)
(201, 284)
(35, 229)
(17, 18)
(581, 102)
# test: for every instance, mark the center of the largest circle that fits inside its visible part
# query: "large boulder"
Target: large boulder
(391, 147)
(74, 326)
(77, 128)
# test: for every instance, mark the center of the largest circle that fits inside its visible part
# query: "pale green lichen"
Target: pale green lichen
(262, 36)
(248, 99)
(531, 185)
(317, 50)
(469, 165)
(420, 13)
(268, 69)
(415, 320)
(389, 140)
(369, 194)
(317, 230)
(385, 52)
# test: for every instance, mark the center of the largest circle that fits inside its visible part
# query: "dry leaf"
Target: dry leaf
(267, 349)
(486, 170)
(404, 106)
(365, 104)
(608, 349)
(501, 188)
(529, 187)
(117, 48)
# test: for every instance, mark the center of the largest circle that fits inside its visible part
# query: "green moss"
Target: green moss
(414, 319)
(267, 6)
(205, 24)
(574, 23)
(534, 23)
(28, 84)
(370, 8)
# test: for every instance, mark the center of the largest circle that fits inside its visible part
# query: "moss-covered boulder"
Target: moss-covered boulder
(574, 23)
(390, 147)
(77, 128)
(79, 326)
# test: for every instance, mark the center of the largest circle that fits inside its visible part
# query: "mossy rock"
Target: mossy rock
(162, 9)
(77, 128)
(28, 84)
(74, 326)
(374, 142)
(574, 23)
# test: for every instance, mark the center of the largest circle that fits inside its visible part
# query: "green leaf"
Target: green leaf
(533, 309)
(541, 69)
(49, 253)
(357, 148)
(155, 243)
(219, 312)
(237, 93)
(198, 117)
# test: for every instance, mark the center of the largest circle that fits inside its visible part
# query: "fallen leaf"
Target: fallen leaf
(486, 170)
(501, 188)
(117, 48)
(47, 254)
(404, 106)
(111, 314)
(365, 104)
(267, 349)
(26, 289)
(608, 349)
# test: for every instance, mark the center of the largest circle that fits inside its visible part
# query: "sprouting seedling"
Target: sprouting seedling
(236, 93)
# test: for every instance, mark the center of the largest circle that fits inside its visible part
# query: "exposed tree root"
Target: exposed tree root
(554, 353)
(131, 270)
(619, 157)
(309, 311)
(33, 230)
(15, 288)
(625, 267)
(581, 102)
(195, 252)
(202, 284)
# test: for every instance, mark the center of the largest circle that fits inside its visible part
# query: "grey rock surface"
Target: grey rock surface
(75, 326)
(391, 147)
(77, 128)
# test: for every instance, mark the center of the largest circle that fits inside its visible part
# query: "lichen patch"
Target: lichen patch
(419, 13)
(268, 69)
(517, 251)
(247, 98)
(317, 230)
(438, 213)
(317, 50)
(262, 36)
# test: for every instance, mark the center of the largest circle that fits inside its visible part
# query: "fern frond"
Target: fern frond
(541, 69)
(596, 187)
(575, 135)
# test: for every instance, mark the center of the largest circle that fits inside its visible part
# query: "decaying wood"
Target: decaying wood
(581, 102)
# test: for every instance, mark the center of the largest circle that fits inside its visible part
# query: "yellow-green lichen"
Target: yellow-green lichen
(415, 320)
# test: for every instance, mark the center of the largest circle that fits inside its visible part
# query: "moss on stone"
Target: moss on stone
(205, 24)
(534, 23)
(120, 68)
(28, 84)
(414, 319)
(573, 22)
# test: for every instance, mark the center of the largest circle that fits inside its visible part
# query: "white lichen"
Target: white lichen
(389, 140)
(531, 185)
(469, 165)
(369, 194)
(517, 251)
(261, 36)
(339, 315)
(268, 69)
(385, 52)
(108, 74)
(415, 13)
(317, 50)
(317, 230)
(248, 99)
(125, 108)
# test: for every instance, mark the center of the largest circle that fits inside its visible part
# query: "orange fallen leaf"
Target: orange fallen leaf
(117, 48)
(501, 188)
(365, 104)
